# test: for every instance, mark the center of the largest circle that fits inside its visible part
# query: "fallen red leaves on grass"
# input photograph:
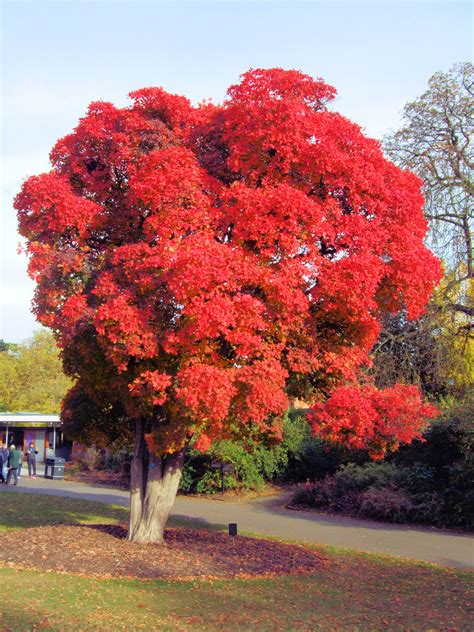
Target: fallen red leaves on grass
(102, 550)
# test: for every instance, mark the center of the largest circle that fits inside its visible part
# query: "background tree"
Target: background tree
(198, 266)
(32, 377)
(435, 141)
(6, 346)
(9, 381)
(430, 352)
(436, 351)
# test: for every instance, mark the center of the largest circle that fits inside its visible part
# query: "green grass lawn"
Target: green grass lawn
(359, 592)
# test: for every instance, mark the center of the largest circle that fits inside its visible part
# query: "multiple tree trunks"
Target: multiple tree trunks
(153, 488)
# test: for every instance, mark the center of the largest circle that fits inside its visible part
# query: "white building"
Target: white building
(44, 431)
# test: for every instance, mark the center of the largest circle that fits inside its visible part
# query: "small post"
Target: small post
(232, 528)
(222, 478)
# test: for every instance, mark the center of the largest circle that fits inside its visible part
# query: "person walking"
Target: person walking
(18, 447)
(31, 460)
(14, 462)
(4, 459)
(2, 477)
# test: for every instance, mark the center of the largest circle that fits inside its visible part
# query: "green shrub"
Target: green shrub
(341, 492)
(88, 458)
(334, 493)
(458, 496)
(199, 475)
(376, 475)
(248, 471)
(386, 503)
(305, 495)
(417, 479)
(211, 482)
(447, 441)
(427, 508)
(431, 481)
(253, 464)
(115, 461)
(308, 457)
(314, 460)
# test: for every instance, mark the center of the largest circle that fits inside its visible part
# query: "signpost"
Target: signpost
(224, 469)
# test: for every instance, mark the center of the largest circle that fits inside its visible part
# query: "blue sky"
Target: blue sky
(59, 56)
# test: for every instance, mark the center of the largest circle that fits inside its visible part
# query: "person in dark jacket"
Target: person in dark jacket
(18, 447)
(31, 460)
(14, 462)
(2, 463)
(4, 452)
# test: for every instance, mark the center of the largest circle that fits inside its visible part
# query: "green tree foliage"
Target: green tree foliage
(9, 381)
(5, 346)
(31, 376)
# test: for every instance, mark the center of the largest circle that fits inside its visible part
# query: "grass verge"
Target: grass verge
(359, 592)
(21, 510)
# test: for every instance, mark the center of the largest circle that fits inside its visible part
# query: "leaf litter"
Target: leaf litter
(188, 553)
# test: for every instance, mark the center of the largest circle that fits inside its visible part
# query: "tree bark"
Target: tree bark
(153, 488)
(137, 479)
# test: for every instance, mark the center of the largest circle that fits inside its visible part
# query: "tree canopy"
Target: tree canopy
(199, 265)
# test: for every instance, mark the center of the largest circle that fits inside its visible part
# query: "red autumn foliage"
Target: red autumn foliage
(366, 418)
(201, 264)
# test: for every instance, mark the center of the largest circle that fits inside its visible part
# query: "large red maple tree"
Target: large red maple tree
(201, 265)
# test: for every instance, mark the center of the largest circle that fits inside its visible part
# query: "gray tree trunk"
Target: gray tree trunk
(153, 488)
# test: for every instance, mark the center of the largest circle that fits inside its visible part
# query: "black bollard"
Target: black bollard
(232, 528)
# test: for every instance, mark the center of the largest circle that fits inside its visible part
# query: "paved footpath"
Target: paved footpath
(267, 516)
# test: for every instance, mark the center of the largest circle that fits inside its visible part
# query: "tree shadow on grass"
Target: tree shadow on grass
(115, 530)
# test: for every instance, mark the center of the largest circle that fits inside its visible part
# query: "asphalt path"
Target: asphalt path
(268, 516)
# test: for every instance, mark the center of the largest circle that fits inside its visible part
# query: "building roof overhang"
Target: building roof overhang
(29, 419)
